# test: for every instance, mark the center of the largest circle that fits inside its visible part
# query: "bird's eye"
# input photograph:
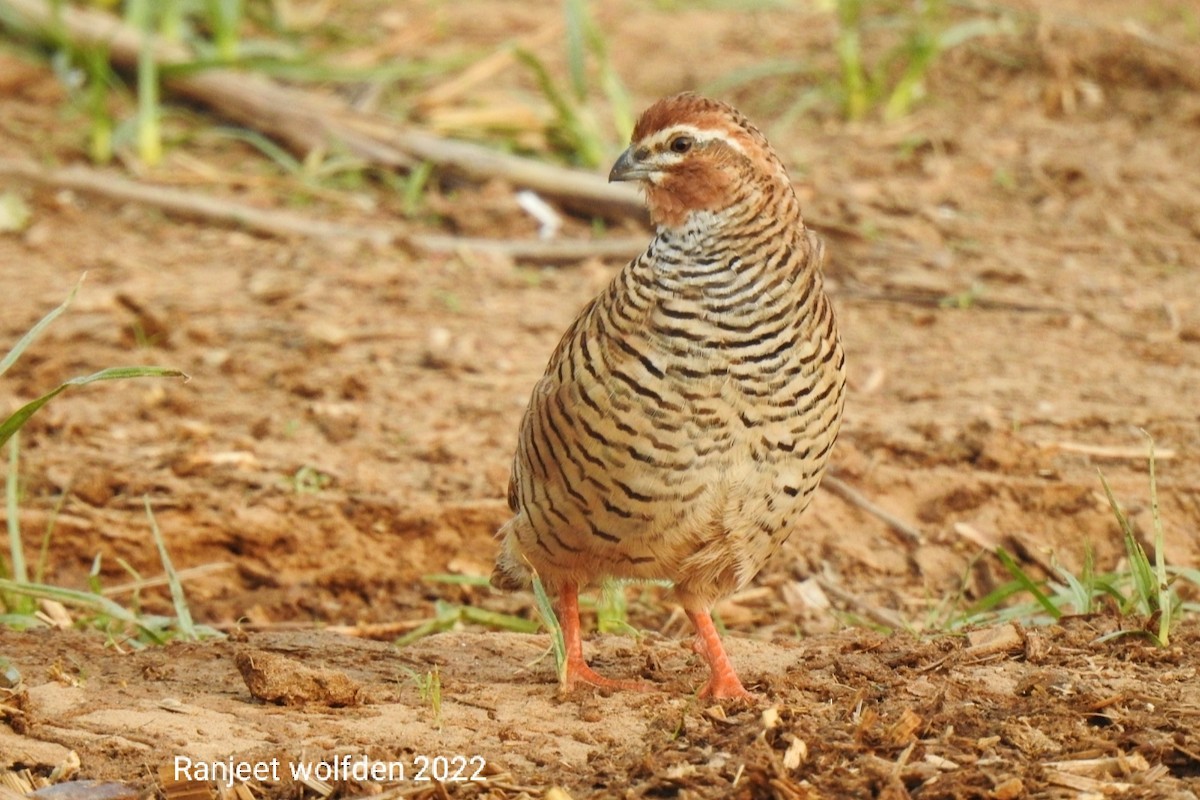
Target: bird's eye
(681, 144)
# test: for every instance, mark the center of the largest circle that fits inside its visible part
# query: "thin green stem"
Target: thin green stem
(15, 548)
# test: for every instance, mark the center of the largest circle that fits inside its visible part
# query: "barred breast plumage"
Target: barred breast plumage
(686, 416)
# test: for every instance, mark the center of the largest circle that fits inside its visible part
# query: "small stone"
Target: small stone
(277, 679)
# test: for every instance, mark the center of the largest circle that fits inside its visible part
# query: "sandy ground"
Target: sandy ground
(1014, 267)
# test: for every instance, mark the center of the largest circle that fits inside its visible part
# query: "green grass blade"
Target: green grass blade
(1165, 601)
(1089, 574)
(1078, 595)
(20, 622)
(149, 137)
(88, 601)
(183, 614)
(1126, 528)
(1145, 590)
(1027, 583)
(93, 580)
(36, 331)
(445, 617)
(570, 126)
(414, 188)
(22, 415)
(612, 611)
(1186, 573)
(282, 158)
(921, 53)
(989, 603)
(16, 549)
(499, 621)
(576, 33)
(611, 84)
(39, 572)
(420, 632)
(855, 84)
(96, 94)
(456, 579)
(557, 641)
(170, 20)
(225, 16)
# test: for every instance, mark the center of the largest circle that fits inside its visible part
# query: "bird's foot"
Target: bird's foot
(579, 672)
(727, 687)
(724, 682)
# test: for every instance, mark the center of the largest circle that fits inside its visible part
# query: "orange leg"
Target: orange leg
(577, 669)
(724, 681)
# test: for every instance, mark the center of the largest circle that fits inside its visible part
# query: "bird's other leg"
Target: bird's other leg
(577, 669)
(724, 682)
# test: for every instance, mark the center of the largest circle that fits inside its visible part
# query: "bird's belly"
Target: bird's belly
(729, 488)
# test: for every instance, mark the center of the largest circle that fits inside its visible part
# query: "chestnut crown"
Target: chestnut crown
(691, 153)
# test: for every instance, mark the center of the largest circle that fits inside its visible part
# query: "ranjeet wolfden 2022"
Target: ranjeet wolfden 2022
(446, 769)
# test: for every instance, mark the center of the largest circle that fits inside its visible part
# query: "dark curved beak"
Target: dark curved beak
(626, 168)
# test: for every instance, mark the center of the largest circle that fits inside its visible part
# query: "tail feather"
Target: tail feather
(511, 572)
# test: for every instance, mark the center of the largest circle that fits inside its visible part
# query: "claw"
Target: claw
(578, 670)
(724, 682)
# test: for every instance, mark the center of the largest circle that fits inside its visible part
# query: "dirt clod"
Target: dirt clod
(273, 678)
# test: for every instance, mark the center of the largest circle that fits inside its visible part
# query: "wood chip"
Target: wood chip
(1083, 784)
(66, 770)
(188, 789)
(992, 641)
(985, 541)
(319, 786)
(805, 595)
(1036, 647)
(796, 754)
(16, 783)
(770, 718)
(55, 614)
(944, 764)
(1119, 765)
(242, 792)
(716, 713)
(904, 730)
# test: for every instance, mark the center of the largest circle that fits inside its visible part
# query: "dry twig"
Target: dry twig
(1116, 452)
(187, 204)
(307, 122)
(883, 616)
(486, 69)
(560, 251)
(855, 498)
(286, 223)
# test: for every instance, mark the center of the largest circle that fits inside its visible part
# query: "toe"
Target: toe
(579, 672)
